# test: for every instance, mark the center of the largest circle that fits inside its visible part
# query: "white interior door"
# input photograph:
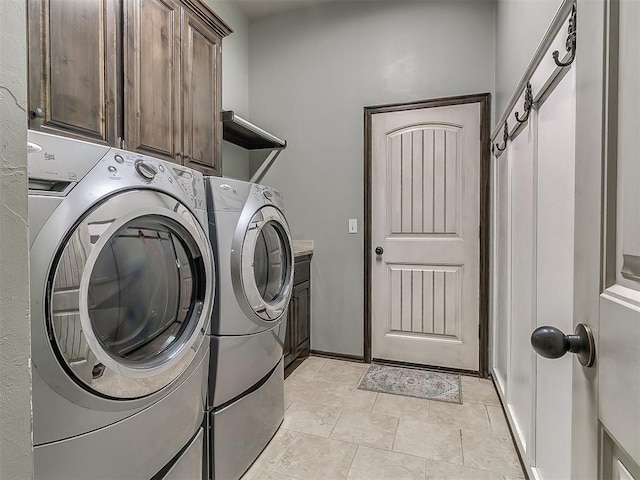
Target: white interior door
(619, 328)
(425, 218)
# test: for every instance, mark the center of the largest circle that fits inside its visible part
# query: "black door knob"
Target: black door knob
(379, 250)
(550, 342)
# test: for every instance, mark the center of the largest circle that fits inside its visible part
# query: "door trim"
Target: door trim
(484, 99)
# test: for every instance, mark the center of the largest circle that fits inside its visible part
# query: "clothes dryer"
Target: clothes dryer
(256, 255)
(255, 267)
(122, 291)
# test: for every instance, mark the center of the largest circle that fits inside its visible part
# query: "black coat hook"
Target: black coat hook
(571, 41)
(505, 137)
(528, 103)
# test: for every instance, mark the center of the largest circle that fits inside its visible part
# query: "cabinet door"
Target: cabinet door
(301, 295)
(152, 121)
(73, 67)
(289, 347)
(201, 95)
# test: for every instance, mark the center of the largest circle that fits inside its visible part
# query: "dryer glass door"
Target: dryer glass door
(132, 294)
(267, 264)
(270, 261)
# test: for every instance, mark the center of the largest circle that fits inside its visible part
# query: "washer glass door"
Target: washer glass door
(267, 264)
(131, 295)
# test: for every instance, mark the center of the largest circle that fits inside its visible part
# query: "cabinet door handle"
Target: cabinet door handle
(297, 340)
(179, 155)
(37, 113)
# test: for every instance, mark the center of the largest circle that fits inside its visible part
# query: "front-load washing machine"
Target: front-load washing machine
(122, 291)
(255, 268)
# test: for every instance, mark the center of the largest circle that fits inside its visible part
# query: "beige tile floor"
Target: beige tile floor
(333, 431)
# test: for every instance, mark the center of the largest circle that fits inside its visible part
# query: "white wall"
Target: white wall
(16, 459)
(235, 81)
(520, 25)
(312, 72)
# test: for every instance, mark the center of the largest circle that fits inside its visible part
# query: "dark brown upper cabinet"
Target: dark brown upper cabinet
(141, 74)
(73, 67)
(201, 95)
(172, 83)
(152, 87)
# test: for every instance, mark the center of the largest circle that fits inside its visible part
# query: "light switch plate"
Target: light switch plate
(353, 225)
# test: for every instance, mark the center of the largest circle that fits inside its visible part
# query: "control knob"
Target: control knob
(146, 170)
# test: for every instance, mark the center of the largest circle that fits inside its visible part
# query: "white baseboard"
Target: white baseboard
(515, 431)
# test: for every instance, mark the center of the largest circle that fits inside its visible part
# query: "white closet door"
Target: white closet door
(519, 397)
(538, 249)
(554, 274)
(501, 255)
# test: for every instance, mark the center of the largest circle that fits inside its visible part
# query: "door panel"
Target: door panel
(619, 391)
(519, 397)
(425, 215)
(301, 294)
(425, 180)
(426, 299)
(502, 273)
(556, 162)
(201, 94)
(619, 348)
(289, 350)
(152, 84)
(617, 464)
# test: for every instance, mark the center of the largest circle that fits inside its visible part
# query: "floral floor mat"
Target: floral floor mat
(412, 382)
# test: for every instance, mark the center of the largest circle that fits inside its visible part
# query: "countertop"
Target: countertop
(302, 248)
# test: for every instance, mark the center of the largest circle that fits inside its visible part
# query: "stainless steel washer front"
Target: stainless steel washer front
(128, 298)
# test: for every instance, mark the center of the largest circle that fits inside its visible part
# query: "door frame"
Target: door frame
(484, 99)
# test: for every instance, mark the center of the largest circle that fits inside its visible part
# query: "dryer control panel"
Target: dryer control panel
(230, 195)
(262, 193)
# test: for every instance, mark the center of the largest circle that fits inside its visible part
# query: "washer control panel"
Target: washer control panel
(120, 164)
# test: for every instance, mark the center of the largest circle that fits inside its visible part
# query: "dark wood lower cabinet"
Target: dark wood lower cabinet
(297, 342)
